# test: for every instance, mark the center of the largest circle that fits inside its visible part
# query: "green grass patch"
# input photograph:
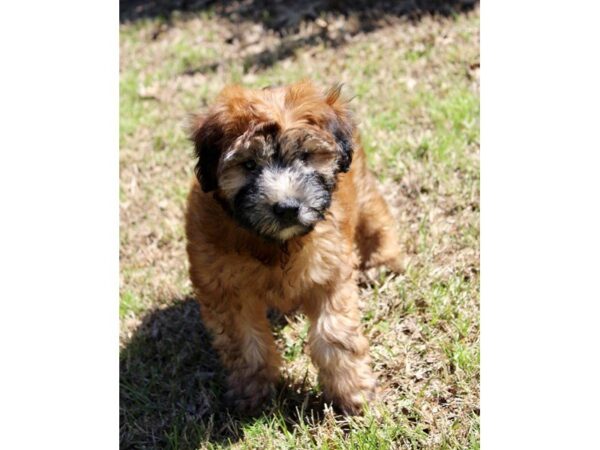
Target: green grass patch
(417, 108)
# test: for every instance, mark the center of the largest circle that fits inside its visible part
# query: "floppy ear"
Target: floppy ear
(207, 135)
(341, 127)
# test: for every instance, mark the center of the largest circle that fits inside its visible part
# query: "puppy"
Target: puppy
(283, 213)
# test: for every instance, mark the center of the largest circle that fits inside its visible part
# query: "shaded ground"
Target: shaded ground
(286, 16)
(416, 87)
(291, 25)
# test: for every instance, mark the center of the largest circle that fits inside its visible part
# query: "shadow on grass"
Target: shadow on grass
(299, 23)
(285, 16)
(171, 386)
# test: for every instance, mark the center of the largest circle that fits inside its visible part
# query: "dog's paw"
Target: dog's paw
(250, 398)
(361, 391)
(354, 404)
(398, 264)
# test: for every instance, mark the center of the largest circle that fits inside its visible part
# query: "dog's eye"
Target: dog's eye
(304, 156)
(250, 165)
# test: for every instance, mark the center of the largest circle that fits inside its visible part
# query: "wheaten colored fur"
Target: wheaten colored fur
(237, 275)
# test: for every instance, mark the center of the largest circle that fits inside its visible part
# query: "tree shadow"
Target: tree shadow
(171, 386)
(297, 23)
(285, 16)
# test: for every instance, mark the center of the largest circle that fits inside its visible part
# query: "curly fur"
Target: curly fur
(302, 145)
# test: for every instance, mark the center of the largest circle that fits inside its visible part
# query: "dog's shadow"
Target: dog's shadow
(171, 386)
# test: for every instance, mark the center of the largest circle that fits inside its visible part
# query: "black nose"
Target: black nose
(287, 211)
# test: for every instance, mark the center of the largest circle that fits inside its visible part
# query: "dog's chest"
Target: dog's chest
(284, 285)
(289, 281)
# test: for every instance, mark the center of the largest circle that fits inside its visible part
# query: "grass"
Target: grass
(416, 96)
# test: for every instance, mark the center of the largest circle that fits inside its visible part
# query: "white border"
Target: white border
(540, 224)
(59, 225)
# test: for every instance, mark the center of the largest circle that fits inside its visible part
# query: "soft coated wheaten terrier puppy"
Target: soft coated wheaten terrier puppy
(282, 215)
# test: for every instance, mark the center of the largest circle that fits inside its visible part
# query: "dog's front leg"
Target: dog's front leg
(338, 347)
(244, 341)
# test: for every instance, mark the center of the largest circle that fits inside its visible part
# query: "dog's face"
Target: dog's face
(272, 157)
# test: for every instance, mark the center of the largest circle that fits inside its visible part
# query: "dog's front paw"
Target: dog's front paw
(349, 393)
(398, 264)
(250, 396)
(353, 403)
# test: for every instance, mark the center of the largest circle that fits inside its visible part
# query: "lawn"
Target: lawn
(415, 83)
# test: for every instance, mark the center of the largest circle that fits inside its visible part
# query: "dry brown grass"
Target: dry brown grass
(416, 90)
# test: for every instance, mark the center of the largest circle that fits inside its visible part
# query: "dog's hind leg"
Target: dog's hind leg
(377, 237)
